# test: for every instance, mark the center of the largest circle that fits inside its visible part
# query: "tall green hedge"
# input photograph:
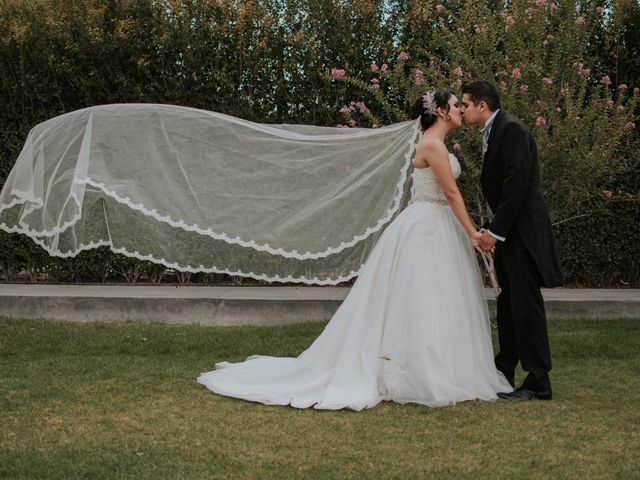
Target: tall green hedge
(269, 61)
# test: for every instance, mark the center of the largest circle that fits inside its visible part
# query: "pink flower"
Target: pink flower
(553, 7)
(622, 87)
(599, 10)
(610, 103)
(529, 11)
(374, 68)
(337, 73)
(510, 21)
(460, 29)
(458, 71)
(478, 29)
(384, 67)
(581, 69)
(516, 73)
(629, 126)
(621, 108)
(545, 42)
(342, 126)
(541, 2)
(375, 81)
(403, 56)
(458, 83)
(419, 77)
(439, 8)
(580, 20)
(605, 80)
(548, 81)
(524, 87)
(362, 107)
(558, 109)
(456, 146)
(540, 121)
(607, 193)
(345, 109)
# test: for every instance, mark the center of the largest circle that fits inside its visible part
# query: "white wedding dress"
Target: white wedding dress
(414, 327)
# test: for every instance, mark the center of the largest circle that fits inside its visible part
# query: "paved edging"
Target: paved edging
(248, 305)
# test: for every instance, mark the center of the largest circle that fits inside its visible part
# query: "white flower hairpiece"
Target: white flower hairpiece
(429, 103)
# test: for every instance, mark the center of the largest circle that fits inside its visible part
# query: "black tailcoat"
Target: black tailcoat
(511, 186)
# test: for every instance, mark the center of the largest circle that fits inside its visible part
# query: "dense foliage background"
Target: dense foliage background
(569, 69)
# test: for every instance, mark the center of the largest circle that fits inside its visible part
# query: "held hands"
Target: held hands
(487, 242)
(483, 242)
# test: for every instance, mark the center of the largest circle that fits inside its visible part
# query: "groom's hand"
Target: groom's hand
(487, 242)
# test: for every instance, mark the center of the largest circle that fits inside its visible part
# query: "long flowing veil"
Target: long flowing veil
(200, 191)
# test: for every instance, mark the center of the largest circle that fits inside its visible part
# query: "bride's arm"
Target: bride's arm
(437, 157)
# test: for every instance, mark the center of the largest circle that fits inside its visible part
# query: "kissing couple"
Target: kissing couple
(415, 325)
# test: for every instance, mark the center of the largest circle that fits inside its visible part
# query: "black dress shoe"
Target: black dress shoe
(524, 394)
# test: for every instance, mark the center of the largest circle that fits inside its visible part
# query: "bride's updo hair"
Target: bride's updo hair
(420, 110)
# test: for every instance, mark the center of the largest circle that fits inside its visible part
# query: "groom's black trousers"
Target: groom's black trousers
(522, 323)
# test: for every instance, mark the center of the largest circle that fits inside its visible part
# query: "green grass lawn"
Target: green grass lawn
(121, 401)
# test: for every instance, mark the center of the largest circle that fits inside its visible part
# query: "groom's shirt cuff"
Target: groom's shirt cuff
(497, 237)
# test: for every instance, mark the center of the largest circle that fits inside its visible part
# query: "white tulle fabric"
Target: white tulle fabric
(414, 327)
(200, 191)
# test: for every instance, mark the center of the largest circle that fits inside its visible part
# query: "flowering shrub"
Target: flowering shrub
(538, 55)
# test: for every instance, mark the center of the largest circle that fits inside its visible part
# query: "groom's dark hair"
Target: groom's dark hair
(481, 90)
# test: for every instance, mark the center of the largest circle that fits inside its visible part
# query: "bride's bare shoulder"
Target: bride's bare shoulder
(428, 150)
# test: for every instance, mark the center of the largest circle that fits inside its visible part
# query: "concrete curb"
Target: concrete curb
(248, 305)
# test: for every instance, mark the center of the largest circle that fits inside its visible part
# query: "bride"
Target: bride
(415, 325)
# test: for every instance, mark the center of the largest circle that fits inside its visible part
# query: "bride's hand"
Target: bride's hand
(475, 240)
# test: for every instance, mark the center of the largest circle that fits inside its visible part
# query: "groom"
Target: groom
(519, 231)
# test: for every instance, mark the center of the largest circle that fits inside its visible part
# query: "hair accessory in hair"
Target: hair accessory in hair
(429, 103)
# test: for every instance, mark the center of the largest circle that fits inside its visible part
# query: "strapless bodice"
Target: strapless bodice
(426, 187)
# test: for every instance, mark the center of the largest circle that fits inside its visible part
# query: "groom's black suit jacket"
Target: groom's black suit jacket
(511, 185)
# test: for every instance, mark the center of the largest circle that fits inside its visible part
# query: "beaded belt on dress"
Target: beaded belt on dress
(424, 197)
